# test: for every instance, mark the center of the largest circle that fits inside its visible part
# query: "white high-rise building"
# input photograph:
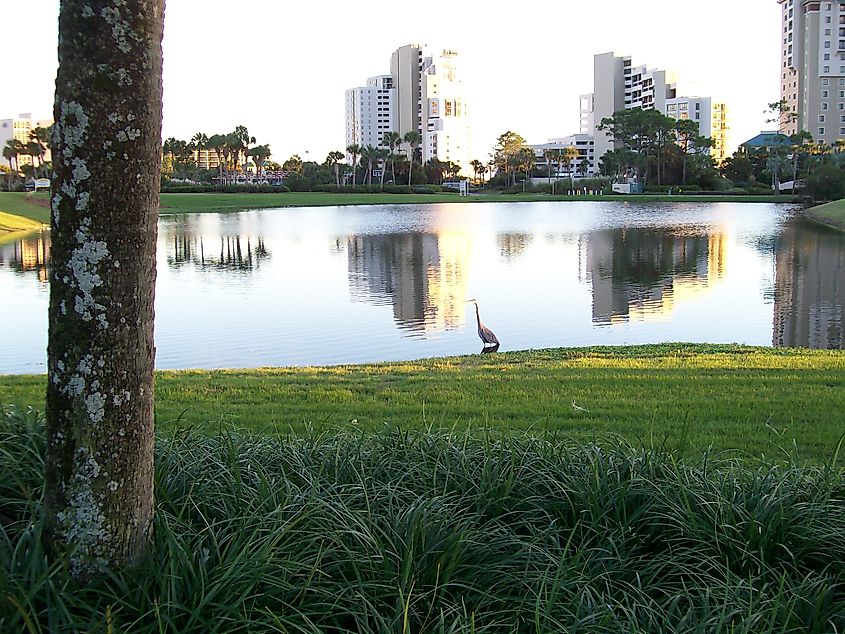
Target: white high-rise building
(426, 96)
(813, 68)
(619, 85)
(710, 117)
(370, 112)
(445, 128)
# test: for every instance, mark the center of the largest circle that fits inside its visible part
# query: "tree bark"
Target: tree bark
(104, 210)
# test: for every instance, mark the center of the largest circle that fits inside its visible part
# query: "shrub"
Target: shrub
(827, 182)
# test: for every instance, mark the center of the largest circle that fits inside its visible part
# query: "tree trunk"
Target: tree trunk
(106, 162)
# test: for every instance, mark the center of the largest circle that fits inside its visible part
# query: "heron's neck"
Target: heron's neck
(477, 318)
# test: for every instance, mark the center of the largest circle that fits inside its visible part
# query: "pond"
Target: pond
(331, 285)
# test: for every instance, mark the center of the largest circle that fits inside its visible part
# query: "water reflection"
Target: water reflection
(231, 252)
(277, 287)
(512, 245)
(28, 255)
(422, 275)
(642, 273)
(809, 289)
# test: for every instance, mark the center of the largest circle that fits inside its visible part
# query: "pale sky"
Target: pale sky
(281, 68)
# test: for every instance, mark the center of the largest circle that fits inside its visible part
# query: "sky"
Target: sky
(281, 68)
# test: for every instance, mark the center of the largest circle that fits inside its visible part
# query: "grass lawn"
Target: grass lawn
(182, 203)
(754, 400)
(830, 214)
(20, 204)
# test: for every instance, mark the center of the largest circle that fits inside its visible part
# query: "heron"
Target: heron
(487, 336)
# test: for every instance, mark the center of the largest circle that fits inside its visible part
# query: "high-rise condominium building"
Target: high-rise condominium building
(712, 120)
(370, 112)
(619, 85)
(19, 128)
(445, 127)
(813, 68)
(425, 95)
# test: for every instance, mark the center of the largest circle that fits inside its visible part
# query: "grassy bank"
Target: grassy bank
(830, 214)
(428, 532)
(20, 204)
(19, 214)
(12, 226)
(757, 401)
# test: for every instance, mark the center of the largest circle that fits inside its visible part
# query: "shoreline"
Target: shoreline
(831, 215)
(36, 206)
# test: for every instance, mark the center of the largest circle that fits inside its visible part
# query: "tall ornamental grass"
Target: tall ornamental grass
(432, 531)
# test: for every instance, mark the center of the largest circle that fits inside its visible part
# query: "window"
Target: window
(824, 106)
(821, 118)
(827, 43)
(842, 94)
(842, 118)
(827, 57)
(821, 131)
(841, 130)
(826, 69)
(824, 94)
(842, 106)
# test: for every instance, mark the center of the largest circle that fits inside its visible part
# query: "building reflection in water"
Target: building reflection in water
(229, 252)
(809, 289)
(422, 275)
(512, 245)
(641, 273)
(29, 255)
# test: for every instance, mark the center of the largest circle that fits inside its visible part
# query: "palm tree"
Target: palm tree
(242, 146)
(333, 160)
(570, 154)
(259, 154)
(382, 155)
(413, 139)
(35, 151)
(525, 160)
(168, 145)
(200, 141)
(551, 155)
(371, 155)
(10, 154)
(217, 142)
(41, 135)
(477, 168)
(354, 150)
(392, 140)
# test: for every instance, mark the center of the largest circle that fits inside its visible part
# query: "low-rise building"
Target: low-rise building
(582, 165)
